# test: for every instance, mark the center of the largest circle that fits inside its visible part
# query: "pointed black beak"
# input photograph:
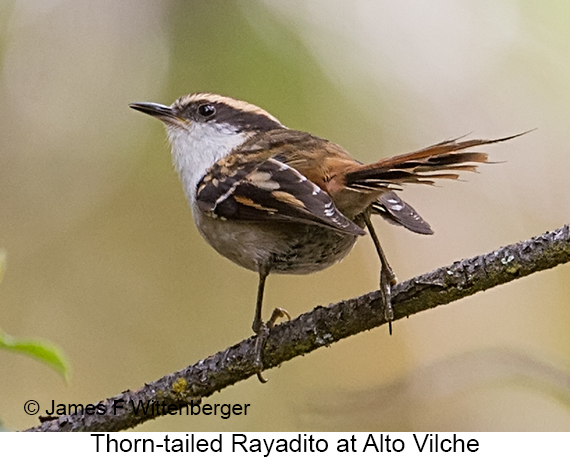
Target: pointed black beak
(162, 112)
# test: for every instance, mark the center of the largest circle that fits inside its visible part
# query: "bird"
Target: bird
(283, 201)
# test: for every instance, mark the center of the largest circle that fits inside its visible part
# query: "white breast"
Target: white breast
(196, 147)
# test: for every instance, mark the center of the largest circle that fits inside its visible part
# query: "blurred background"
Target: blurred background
(104, 259)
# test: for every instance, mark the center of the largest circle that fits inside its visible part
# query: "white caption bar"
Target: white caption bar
(280, 444)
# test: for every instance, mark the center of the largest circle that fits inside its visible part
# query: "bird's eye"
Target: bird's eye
(206, 110)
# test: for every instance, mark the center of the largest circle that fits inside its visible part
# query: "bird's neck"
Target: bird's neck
(195, 150)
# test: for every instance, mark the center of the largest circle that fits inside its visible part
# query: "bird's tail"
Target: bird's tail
(440, 161)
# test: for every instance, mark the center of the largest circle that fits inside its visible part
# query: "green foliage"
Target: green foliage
(44, 351)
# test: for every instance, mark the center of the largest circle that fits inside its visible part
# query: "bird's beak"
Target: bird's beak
(162, 112)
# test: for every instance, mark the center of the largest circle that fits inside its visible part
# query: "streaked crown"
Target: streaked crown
(203, 128)
(240, 115)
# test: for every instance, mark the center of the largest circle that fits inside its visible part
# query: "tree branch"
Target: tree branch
(322, 327)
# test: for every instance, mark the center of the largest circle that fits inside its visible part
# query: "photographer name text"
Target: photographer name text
(150, 408)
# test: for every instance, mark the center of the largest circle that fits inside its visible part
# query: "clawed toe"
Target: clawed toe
(261, 340)
(386, 282)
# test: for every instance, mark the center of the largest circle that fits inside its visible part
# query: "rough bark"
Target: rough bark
(323, 326)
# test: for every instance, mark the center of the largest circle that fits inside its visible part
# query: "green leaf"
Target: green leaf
(44, 351)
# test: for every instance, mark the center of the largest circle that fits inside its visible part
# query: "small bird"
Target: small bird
(277, 200)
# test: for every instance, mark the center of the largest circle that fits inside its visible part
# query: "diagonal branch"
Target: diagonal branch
(322, 327)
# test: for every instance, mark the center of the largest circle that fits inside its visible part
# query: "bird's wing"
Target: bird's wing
(398, 212)
(239, 188)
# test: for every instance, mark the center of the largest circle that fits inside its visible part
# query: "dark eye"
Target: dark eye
(206, 110)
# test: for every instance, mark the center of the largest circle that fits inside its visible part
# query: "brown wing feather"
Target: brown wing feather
(396, 211)
(268, 191)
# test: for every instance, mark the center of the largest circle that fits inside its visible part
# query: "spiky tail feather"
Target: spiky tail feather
(422, 167)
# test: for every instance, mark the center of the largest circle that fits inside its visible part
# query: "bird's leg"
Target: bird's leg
(261, 328)
(387, 276)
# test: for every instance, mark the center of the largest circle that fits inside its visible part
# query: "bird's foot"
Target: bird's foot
(387, 280)
(262, 335)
